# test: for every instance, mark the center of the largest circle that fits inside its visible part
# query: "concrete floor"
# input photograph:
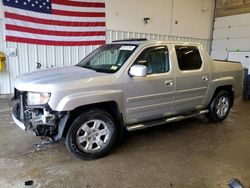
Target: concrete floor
(190, 153)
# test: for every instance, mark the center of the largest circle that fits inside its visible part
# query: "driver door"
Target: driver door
(152, 96)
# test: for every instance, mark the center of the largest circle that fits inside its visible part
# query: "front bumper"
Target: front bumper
(39, 120)
(36, 120)
(18, 122)
(25, 124)
(15, 113)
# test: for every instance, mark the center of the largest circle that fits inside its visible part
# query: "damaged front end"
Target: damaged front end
(41, 120)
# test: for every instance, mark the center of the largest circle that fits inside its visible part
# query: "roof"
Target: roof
(138, 41)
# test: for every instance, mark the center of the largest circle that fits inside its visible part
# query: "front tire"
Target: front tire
(92, 135)
(220, 106)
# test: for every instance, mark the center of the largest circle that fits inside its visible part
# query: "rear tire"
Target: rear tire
(219, 107)
(92, 135)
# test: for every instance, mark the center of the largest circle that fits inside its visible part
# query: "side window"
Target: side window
(188, 57)
(155, 58)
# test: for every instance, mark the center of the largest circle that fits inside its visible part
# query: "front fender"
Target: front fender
(72, 101)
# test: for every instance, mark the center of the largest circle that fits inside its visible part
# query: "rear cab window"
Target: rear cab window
(188, 57)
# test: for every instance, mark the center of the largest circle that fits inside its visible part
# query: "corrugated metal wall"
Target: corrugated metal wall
(5, 75)
(28, 54)
(116, 35)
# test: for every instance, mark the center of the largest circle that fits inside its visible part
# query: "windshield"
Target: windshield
(108, 58)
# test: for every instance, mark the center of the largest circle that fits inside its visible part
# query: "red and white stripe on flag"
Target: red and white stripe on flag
(55, 22)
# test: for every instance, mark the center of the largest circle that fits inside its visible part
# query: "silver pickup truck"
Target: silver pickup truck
(126, 85)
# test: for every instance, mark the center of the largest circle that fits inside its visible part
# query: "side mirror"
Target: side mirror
(138, 71)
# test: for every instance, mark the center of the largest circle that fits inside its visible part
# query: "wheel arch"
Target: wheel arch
(110, 107)
(219, 114)
(228, 88)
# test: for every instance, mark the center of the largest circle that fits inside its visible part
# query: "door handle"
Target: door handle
(205, 78)
(169, 83)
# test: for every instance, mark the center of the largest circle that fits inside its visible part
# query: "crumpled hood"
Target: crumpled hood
(49, 79)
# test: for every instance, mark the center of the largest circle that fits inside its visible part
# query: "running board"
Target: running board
(163, 121)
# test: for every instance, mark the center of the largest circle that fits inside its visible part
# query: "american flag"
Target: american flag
(55, 22)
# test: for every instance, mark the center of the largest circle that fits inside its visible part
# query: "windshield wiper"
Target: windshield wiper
(104, 71)
(95, 69)
(85, 67)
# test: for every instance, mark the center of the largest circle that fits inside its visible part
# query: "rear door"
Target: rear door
(192, 78)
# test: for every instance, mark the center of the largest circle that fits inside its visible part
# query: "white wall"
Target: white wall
(231, 33)
(128, 15)
(4, 76)
(1, 9)
(121, 16)
(194, 17)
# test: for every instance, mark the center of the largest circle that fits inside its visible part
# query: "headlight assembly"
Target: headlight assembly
(37, 98)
